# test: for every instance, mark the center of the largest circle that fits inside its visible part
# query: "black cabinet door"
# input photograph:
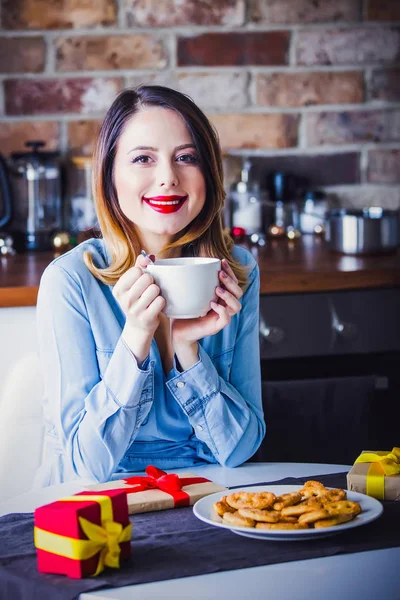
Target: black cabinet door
(319, 420)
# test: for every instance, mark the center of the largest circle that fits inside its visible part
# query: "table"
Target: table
(372, 575)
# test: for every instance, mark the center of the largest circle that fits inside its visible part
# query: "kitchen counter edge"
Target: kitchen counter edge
(282, 271)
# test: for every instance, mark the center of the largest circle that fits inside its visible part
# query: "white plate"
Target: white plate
(203, 509)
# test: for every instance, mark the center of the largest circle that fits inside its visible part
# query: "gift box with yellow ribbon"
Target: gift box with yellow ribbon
(376, 474)
(80, 535)
(158, 490)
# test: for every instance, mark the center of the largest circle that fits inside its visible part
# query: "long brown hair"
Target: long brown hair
(205, 235)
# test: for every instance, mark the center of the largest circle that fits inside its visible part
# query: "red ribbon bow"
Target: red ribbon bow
(167, 482)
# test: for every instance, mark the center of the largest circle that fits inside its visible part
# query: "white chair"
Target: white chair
(21, 425)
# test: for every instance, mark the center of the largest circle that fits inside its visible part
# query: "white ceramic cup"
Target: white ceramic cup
(187, 284)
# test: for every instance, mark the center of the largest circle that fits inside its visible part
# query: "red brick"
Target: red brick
(384, 166)
(385, 85)
(272, 12)
(110, 52)
(383, 10)
(348, 46)
(303, 89)
(14, 135)
(256, 130)
(353, 127)
(85, 95)
(82, 136)
(234, 49)
(58, 14)
(22, 55)
(175, 13)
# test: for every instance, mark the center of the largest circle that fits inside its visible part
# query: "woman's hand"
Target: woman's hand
(186, 332)
(140, 299)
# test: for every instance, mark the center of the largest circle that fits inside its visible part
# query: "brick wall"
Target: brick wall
(309, 86)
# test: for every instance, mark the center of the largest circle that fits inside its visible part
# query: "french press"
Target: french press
(31, 192)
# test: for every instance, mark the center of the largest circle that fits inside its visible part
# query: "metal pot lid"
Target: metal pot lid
(36, 164)
(35, 154)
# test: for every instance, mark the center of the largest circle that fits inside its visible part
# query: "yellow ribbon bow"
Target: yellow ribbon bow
(106, 538)
(382, 464)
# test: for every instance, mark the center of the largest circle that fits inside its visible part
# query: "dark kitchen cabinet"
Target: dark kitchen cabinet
(330, 369)
(322, 420)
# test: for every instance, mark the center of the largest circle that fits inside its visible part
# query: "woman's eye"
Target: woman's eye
(188, 158)
(143, 160)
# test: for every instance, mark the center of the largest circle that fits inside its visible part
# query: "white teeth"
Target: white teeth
(163, 203)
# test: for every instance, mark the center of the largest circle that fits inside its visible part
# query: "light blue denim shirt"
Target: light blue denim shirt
(105, 416)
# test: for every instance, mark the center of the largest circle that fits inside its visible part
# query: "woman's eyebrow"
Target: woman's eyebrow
(185, 146)
(143, 148)
(152, 149)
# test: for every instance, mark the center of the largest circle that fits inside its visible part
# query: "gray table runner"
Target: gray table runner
(173, 543)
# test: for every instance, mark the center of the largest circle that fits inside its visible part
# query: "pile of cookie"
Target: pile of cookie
(313, 506)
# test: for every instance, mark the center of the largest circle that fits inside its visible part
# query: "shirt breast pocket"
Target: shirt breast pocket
(223, 363)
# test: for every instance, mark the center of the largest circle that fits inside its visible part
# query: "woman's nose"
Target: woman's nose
(167, 176)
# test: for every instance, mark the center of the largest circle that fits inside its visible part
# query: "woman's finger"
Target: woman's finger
(226, 266)
(224, 317)
(144, 261)
(230, 284)
(138, 288)
(147, 297)
(126, 281)
(155, 307)
(232, 304)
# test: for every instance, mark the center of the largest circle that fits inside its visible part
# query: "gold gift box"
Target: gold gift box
(379, 477)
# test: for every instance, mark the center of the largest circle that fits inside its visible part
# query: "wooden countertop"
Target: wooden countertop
(304, 265)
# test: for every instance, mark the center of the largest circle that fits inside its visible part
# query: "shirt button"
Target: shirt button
(199, 427)
(180, 384)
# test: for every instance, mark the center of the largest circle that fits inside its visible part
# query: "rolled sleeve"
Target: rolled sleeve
(141, 385)
(196, 385)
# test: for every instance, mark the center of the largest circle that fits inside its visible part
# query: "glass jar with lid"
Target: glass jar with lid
(246, 206)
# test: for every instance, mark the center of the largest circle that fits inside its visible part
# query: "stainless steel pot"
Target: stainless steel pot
(368, 231)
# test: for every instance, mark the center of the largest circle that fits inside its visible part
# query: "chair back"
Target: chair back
(21, 425)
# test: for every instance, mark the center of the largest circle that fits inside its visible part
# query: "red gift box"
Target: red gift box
(78, 536)
(159, 490)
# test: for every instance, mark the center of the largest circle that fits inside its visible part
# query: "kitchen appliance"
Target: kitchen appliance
(5, 191)
(313, 211)
(330, 374)
(285, 190)
(31, 197)
(371, 230)
(80, 210)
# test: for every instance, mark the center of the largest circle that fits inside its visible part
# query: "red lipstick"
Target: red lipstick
(165, 204)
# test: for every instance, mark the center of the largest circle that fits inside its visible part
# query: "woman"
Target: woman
(124, 387)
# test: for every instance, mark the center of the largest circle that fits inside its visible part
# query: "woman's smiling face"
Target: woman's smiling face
(157, 176)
